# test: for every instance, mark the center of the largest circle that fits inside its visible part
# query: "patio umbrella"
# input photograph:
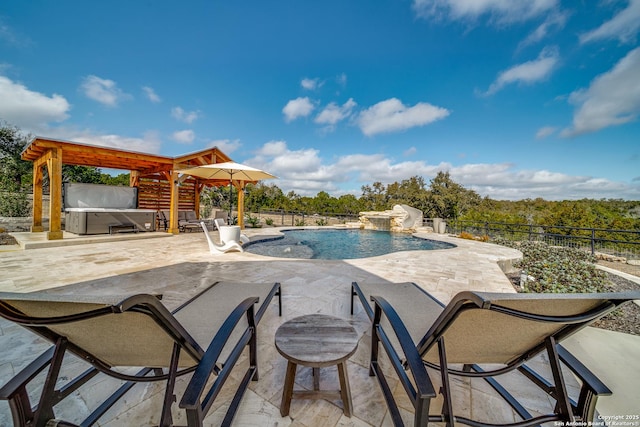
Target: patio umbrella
(228, 171)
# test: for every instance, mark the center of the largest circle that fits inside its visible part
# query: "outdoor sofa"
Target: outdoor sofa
(481, 335)
(205, 336)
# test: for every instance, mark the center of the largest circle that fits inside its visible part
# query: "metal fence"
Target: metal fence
(620, 243)
(295, 218)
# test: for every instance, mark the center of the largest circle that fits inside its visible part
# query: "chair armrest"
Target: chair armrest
(195, 389)
(591, 388)
(413, 361)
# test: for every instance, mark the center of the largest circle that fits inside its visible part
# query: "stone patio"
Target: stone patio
(180, 266)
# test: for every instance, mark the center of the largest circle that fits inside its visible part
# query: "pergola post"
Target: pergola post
(54, 167)
(173, 213)
(36, 226)
(241, 204)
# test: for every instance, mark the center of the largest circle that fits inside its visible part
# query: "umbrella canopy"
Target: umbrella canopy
(228, 171)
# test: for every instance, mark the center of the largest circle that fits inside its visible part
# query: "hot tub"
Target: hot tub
(98, 220)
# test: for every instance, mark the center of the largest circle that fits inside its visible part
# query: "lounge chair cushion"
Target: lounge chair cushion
(109, 337)
(418, 307)
(191, 316)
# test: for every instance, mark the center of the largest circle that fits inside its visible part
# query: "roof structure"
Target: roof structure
(74, 153)
(53, 153)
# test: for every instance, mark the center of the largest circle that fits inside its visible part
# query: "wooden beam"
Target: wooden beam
(173, 213)
(36, 226)
(241, 204)
(134, 178)
(54, 167)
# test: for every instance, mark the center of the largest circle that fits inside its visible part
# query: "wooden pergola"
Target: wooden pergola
(52, 154)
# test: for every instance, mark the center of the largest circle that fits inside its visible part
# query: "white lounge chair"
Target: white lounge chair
(219, 222)
(218, 249)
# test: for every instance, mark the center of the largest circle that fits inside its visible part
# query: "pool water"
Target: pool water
(341, 244)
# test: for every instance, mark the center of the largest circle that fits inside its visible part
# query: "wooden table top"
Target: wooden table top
(316, 340)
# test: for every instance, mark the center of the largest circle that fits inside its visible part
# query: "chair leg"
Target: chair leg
(44, 413)
(447, 406)
(563, 404)
(166, 420)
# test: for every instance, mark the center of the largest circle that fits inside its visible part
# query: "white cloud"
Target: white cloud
(103, 91)
(613, 98)
(310, 84)
(296, 108)
(184, 136)
(528, 72)
(305, 172)
(29, 109)
(11, 37)
(500, 11)
(151, 94)
(410, 151)
(553, 22)
(546, 131)
(624, 26)
(333, 113)
(185, 116)
(227, 146)
(342, 79)
(392, 115)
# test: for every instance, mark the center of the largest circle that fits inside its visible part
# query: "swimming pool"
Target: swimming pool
(341, 244)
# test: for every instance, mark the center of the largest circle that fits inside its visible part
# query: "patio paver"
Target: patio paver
(180, 266)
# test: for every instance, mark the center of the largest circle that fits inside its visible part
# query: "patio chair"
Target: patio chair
(481, 335)
(162, 220)
(219, 222)
(204, 336)
(187, 220)
(219, 249)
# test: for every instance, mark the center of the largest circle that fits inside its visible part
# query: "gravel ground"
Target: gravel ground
(627, 318)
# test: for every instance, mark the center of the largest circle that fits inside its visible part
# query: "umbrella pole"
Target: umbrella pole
(231, 198)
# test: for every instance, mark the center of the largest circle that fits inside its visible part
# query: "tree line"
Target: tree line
(440, 197)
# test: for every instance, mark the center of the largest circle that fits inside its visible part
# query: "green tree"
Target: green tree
(448, 199)
(375, 197)
(15, 173)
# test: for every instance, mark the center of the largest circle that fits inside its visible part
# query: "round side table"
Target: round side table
(316, 341)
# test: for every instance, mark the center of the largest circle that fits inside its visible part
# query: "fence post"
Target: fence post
(486, 228)
(593, 241)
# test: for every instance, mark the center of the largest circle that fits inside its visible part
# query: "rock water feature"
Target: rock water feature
(402, 218)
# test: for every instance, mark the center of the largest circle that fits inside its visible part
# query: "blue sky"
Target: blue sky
(514, 98)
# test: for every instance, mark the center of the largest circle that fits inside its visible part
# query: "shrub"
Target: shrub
(300, 223)
(14, 204)
(268, 221)
(254, 221)
(557, 269)
(321, 222)
(466, 235)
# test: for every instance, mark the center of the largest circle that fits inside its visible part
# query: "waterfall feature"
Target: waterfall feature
(401, 218)
(382, 223)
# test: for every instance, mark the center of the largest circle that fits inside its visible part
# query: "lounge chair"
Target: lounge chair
(219, 249)
(219, 222)
(204, 336)
(417, 331)
(187, 220)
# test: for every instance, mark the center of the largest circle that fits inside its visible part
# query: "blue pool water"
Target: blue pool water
(341, 244)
